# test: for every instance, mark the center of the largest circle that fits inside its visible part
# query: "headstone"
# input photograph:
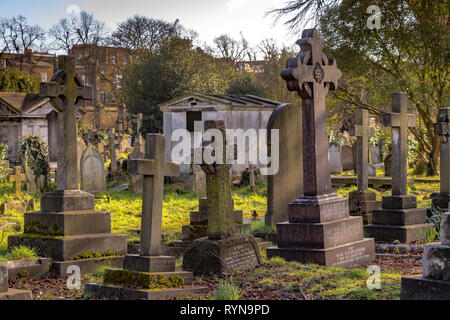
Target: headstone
(442, 129)
(138, 143)
(375, 157)
(113, 143)
(222, 251)
(435, 283)
(251, 171)
(399, 219)
(92, 169)
(319, 229)
(388, 166)
(68, 227)
(136, 180)
(10, 294)
(17, 178)
(334, 157)
(363, 201)
(81, 146)
(149, 264)
(347, 159)
(286, 185)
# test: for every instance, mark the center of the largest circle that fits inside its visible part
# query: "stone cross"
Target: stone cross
(154, 169)
(312, 74)
(138, 122)
(113, 141)
(66, 93)
(442, 128)
(399, 120)
(363, 131)
(93, 138)
(218, 189)
(17, 178)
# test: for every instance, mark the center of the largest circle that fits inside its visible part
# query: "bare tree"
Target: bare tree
(229, 48)
(17, 36)
(268, 47)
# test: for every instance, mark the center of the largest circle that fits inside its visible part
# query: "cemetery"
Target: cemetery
(156, 195)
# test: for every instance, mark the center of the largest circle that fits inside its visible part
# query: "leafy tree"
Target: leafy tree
(16, 81)
(244, 82)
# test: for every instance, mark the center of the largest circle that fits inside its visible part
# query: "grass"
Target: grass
(227, 291)
(17, 253)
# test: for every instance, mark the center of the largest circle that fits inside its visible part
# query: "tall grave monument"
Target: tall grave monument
(442, 128)
(363, 201)
(67, 228)
(222, 251)
(152, 275)
(399, 219)
(319, 229)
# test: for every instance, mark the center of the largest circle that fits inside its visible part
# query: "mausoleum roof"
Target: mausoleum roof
(21, 103)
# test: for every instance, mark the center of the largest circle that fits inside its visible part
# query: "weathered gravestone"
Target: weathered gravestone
(435, 283)
(10, 294)
(399, 219)
(334, 157)
(363, 201)
(347, 158)
(67, 228)
(136, 180)
(222, 251)
(16, 179)
(92, 171)
(21, 206)
(388, 165)
(113, 143)
(287, 184)
(148, 270)
(442, 128)
(319, 229)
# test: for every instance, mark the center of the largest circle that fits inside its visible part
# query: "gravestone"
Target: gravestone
(286, 185)
(375, 156)
(92, 170)
(223, 251)
(319, 229)
(113, 143)
(363, 201)
(68, 228)
(81, 146)
(149, 264)
(347, 159)
(399, 219)
(10, 294)
(442, 129)
(334, 157)
(21, 206)
(136, 180)
(16, 178)
(388, 166)
(435, 283)
(138, 143)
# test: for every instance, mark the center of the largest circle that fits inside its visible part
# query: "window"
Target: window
(103, 95)
(43, 77)
(191, 118)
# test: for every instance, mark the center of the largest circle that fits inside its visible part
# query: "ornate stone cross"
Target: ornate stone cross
(66, 94)
(17, 178)
(363, 131)
(312, 74)
(399, 120)
(113, 141)
(442, 128)
(154, 168)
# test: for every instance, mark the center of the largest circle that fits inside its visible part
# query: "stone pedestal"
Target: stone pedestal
(69, 230)
(321, 231)
(399, 219)
(222, 256)
(10, 294)
(435, 283)
(362, 203)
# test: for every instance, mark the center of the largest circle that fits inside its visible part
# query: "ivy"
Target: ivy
(3, 165)
(35, 151)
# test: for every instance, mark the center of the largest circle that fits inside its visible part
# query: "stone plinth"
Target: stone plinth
(209, 256)
(363, 203)
(435, 283)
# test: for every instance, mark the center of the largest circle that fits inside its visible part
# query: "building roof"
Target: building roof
(22, 103)
(211, 102)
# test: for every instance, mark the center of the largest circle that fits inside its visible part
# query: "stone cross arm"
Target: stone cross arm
(395, 120)
(360, 131)
(17, 176)
(149, 167)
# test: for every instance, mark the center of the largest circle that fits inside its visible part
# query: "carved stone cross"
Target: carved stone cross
(442, 128)
(113, 141)
(154, 168)
(312, 74)
(66, 94)
(399, 120)
(363, 131)
(17, 178)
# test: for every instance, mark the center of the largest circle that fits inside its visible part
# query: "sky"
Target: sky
(210, 18)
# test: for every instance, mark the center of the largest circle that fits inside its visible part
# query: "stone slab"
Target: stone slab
(67, 223)
(389, 234)
(117, 293)
(68, 248)
(346, 256)
(399, 202)
(67, 200)
(352, 179)
(86, 265)
(419, 288)
(15, 294)
(317, 209)
(436, 262)
(319, 235)
(149, 264)
(405, 217)
(28, 269)
(3, 277)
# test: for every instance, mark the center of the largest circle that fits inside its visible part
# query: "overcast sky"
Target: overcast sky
(210, 18)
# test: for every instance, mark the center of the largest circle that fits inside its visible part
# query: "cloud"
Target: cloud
(236, 4)
(73, 9)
